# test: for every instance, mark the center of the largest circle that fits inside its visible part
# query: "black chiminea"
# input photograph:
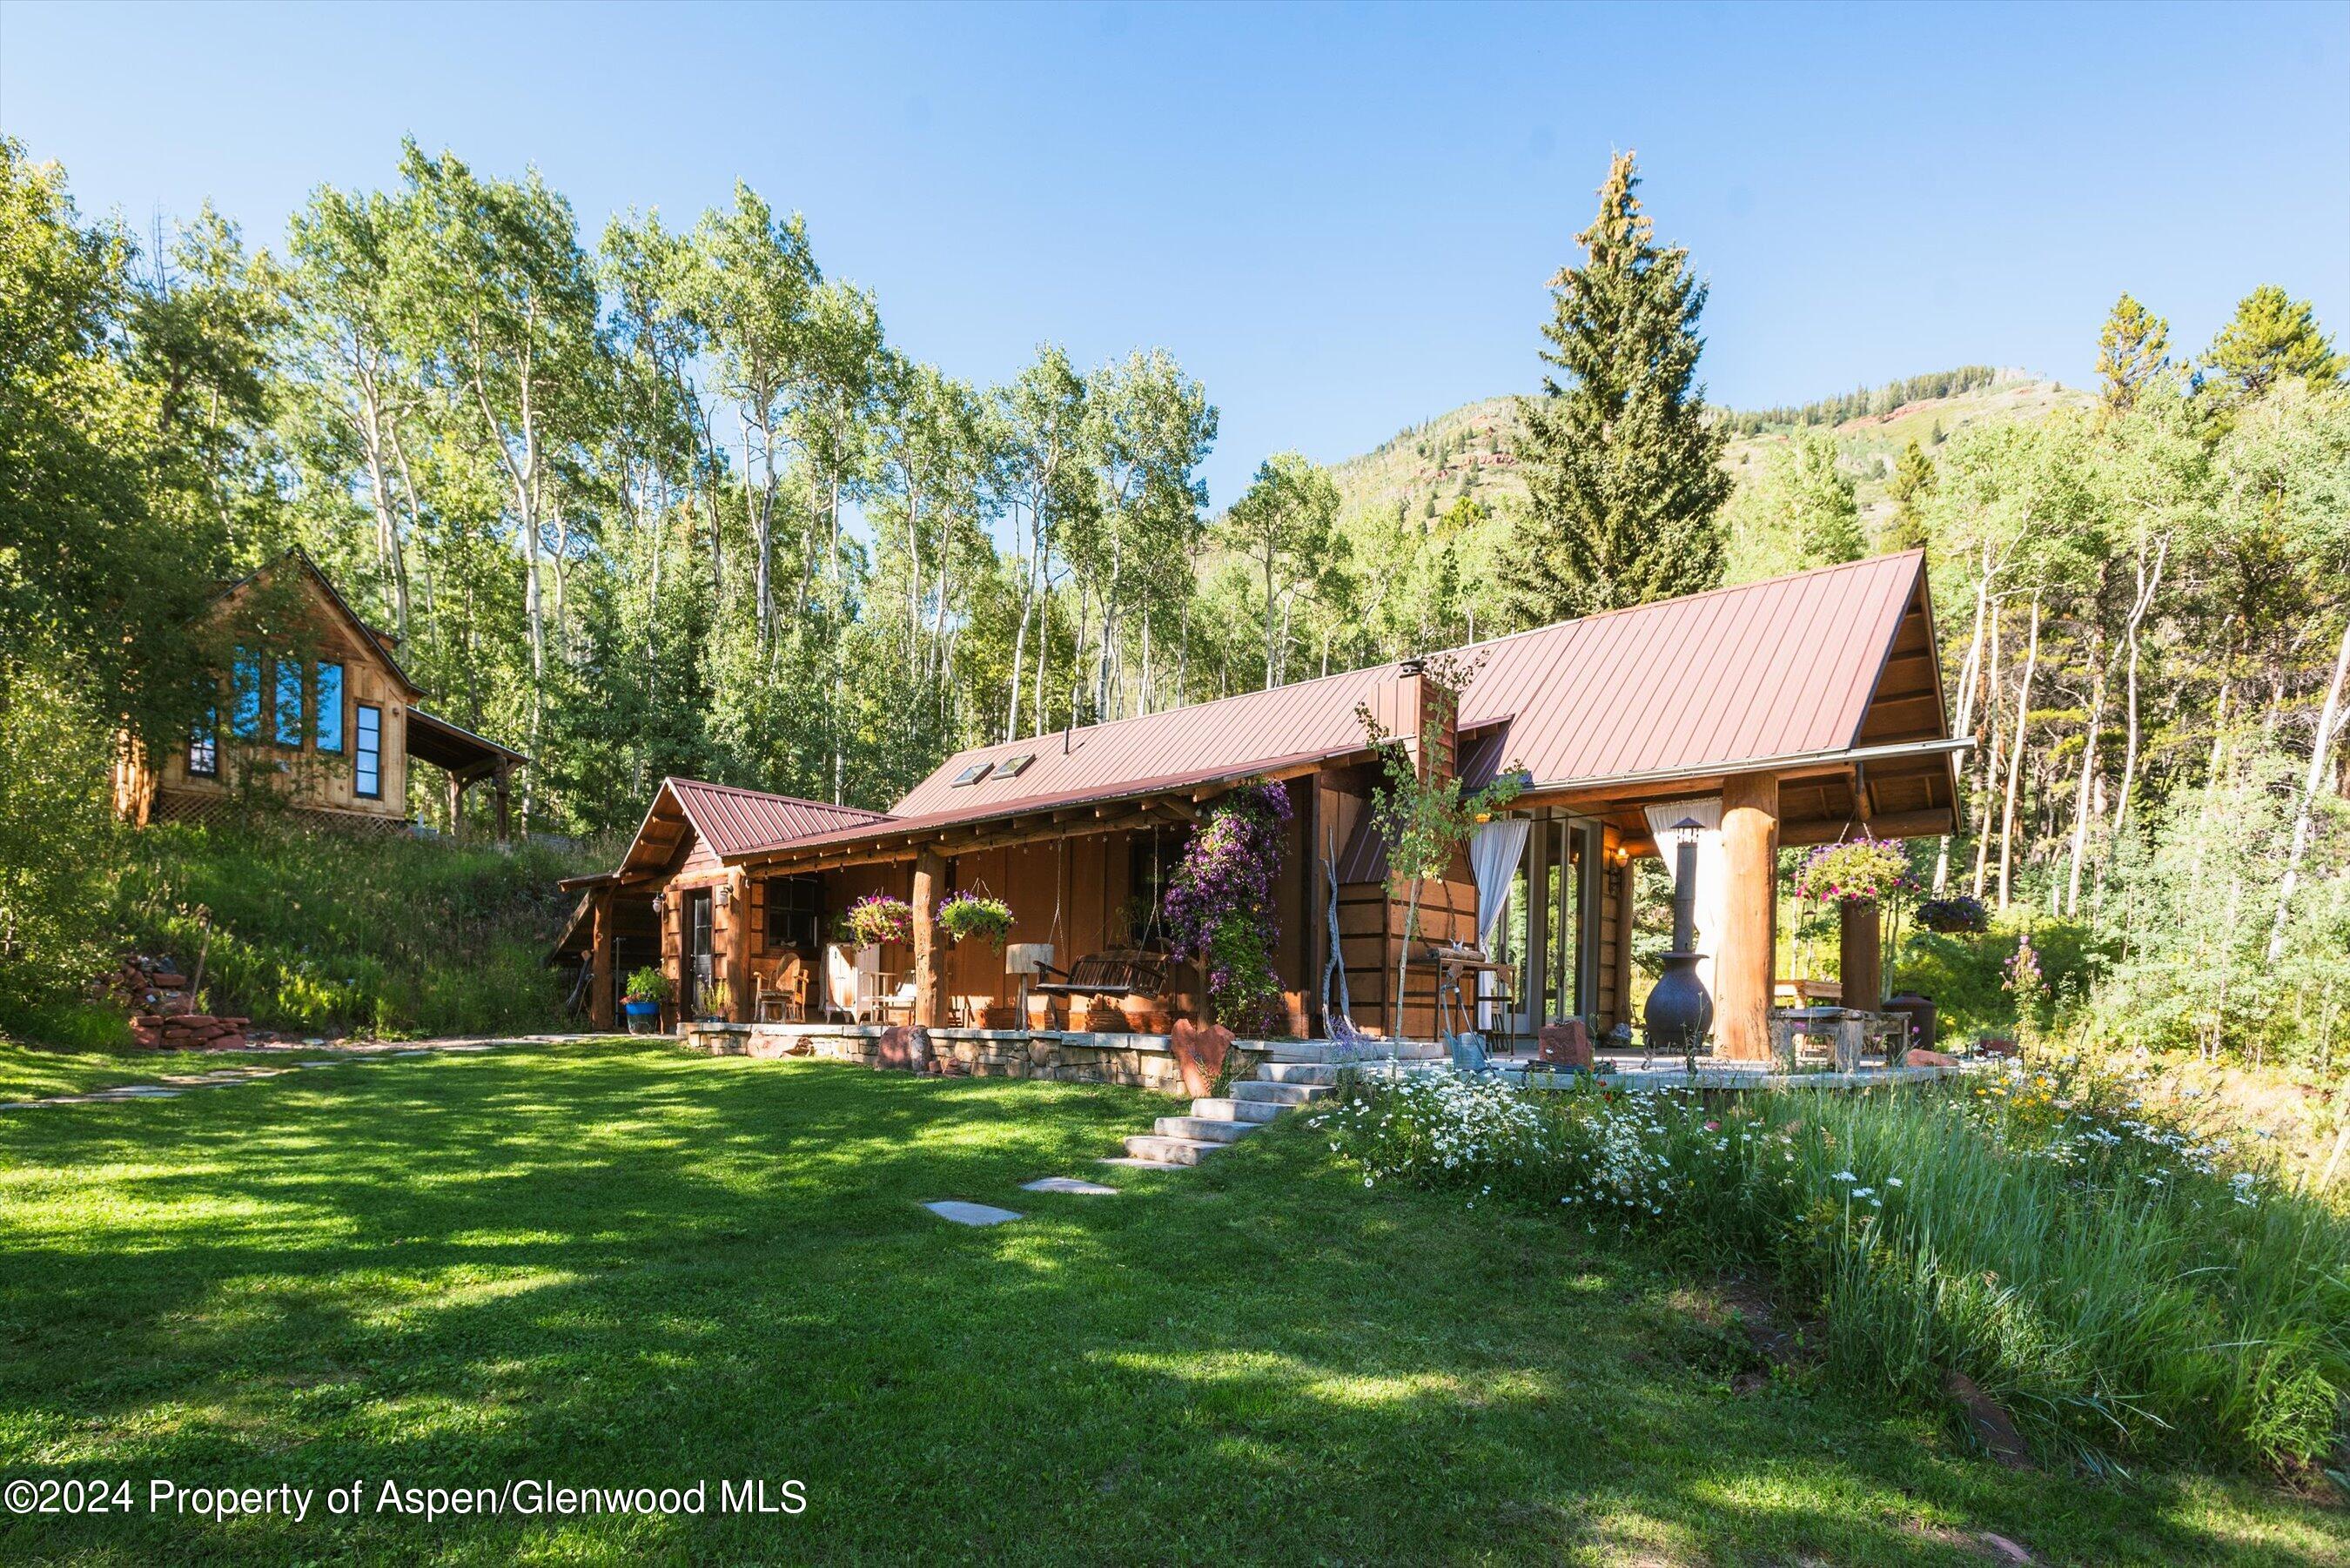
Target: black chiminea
(1680, 1013)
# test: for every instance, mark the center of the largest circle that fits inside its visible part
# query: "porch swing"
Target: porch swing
(1113, 974)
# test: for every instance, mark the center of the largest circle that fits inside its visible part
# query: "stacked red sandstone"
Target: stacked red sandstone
(164, 1009)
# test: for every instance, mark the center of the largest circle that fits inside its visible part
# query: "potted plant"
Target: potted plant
(1854, 871)
(878, 918)
(963, 915)
(642, 999)
(717, 1002)
(1955, 917)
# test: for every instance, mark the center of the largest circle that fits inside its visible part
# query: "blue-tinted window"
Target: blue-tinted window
(203, 748)
(367, 755)
(289, 704)
(245, 700)
(327, 728)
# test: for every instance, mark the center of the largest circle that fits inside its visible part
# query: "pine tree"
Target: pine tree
(1622, 465)
(1913, 480)
(2273, 337)
(2134, 348)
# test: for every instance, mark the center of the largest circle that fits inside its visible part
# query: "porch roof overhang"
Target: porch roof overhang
(457, 750)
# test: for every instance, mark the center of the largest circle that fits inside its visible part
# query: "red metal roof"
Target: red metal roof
(733, 820)
(1764, 670)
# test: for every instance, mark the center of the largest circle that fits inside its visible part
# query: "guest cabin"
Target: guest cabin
(1791, 711)
(313, 713)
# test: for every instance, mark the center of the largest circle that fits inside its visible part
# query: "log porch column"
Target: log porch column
(1741, 970)
(1627, 883)
(929, 887)
(1860, 974)
(602, 982)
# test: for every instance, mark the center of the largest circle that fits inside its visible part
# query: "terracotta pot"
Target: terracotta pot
(1200, 1050)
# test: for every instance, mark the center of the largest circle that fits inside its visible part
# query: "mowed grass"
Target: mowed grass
(620, 1265)
(37, 1072)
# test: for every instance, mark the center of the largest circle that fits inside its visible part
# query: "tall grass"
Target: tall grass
(2127, 1291)
(324, 931)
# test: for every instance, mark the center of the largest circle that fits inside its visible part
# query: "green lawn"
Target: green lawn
(36, 1073)
(617, 1264)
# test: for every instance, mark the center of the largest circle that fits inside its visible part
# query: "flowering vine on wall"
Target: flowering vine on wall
(1220, 904)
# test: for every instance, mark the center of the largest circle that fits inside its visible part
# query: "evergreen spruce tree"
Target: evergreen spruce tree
(2134, 348)
(2271, 336)
(1913, 480)
(1622, 465)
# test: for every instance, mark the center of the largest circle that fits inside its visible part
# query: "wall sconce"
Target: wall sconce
(725, 895)
(660, 903)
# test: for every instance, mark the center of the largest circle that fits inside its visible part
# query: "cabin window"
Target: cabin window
(327, 728)
(289, 704)
(244, 696)
(971, 775)
(203, 747)
(367, 756)
(795, 914)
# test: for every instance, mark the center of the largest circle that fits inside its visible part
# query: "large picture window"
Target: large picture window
(327, 727)
(244, 696)
(289, 704)
(367, 755)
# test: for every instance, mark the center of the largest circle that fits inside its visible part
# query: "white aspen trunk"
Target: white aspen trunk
(2088, 774)
(2149, 582)
(1988, 769)
(1967, 678)
(2015, 756)
(2328, 721)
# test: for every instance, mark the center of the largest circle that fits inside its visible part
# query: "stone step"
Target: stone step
(1172, 1150)
(1299, 1073)
(1279, 1093)
(1360, 1052)
(1237, 1110)
(1208, 1129)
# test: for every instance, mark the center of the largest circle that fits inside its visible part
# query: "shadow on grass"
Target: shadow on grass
(618, 1264)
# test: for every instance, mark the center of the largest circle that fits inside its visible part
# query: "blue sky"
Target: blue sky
(1341, 218)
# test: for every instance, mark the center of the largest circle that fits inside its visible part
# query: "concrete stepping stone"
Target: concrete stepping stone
(1132, 1163)
(1068, 1184)
(963, 1214)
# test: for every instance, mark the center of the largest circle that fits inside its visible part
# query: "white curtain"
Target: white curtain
(1494, 850)
(1712, 869)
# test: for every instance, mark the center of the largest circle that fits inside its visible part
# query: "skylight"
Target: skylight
(971, 775)
(1013, 767)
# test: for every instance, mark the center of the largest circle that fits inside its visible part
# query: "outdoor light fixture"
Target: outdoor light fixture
(661, 902)
(725, 895)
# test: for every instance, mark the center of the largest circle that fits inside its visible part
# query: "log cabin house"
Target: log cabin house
(315, 714)
(1790, 711)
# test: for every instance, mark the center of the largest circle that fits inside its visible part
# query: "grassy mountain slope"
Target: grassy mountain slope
(1467, 452)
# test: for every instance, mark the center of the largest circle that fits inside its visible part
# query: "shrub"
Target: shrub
(2125, 1287)
(647, 984)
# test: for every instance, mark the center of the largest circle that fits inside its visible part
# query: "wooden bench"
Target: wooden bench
(1116, 972)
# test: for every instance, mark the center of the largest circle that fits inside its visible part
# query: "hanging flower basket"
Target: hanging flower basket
(878, 918)
(1854, 871)
(964, 915)
(1957, 916)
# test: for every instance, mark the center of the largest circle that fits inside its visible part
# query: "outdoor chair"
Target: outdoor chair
(785, 990)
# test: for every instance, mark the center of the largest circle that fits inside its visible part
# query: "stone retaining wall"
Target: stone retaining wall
(1138, 1061)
